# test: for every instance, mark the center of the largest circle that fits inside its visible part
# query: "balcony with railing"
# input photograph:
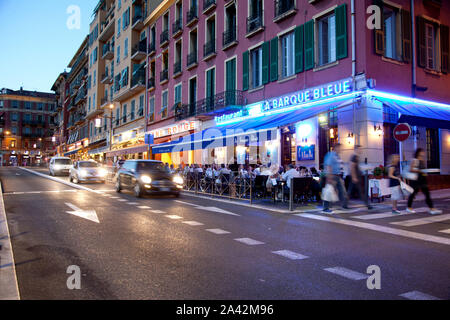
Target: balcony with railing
(255, 23)
(177, 68)
(106, 77)
(283, 9)
(152, 47)
(151, 83)
(164, 37)
(138, 19)
(108, 51)
(208, 5)
(138, 78)
(229, 37)
(177, 27)
(79, 117)
(191, 16)
(107, 26)
(139, 51)
(209, 48)
(210, 106)
(81, 96)
(164, 75)
(192, 59)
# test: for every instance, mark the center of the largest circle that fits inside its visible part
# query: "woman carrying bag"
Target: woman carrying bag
(394, 181)
(417, 166)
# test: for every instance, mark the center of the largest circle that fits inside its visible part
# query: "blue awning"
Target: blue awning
(71, 152)
(249, 132)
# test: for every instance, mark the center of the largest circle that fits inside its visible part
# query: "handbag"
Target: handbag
(329, 194)
(408, 175)
(406, 189)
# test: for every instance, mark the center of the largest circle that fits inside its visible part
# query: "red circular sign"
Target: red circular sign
(402, 131)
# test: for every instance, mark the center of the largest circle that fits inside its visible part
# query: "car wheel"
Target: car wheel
(137, 190)
(118, 186)
(75, 180)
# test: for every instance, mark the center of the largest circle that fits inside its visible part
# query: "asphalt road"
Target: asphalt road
(167, 248)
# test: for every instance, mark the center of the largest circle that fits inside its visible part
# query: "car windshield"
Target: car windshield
(62, 161)
(151, 166)
(88, 165)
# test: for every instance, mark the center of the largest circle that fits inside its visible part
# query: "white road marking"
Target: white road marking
(445, 231)
(8, 278)
(379, 215)
(183, 202)
(417, 295)
(374, 227)
(290, 254)
(248, 241)
(217, 231)
(122, 200)
(85, 214)
(157, 211)
(132, 203)
(212, 209)
(115, 198)
(422, 221)
(174, 217)
(349, 211)
(347, 273)
(193, 223)
(144, 207)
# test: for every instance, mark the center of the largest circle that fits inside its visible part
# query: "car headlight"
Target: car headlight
(102, 172)
(146, 179)
(57, 167)
(83, 173)
(178, 180)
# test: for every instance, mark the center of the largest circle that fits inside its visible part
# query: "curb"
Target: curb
(9, 288)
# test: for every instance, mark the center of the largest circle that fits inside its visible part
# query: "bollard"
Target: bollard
(291, 198)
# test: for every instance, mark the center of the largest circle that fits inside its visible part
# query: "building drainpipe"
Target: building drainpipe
(413, 44)
(356, 136)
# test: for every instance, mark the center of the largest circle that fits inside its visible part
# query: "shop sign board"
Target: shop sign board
(184, 126)
(306, 153)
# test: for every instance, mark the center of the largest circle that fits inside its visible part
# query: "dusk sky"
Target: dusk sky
(37, 45)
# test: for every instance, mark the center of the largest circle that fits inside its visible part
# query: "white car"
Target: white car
(87, 171)
(59, 165)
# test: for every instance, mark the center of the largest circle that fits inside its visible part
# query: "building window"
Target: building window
(256, 67)
(392, 33)
(125, 49)
(433, 153)
(2, 104)
(430, 39)
(288, 55)
(389, 114)
(14, 131)
(28, 105)
(95, 54)
(95, 78)
(124, 113)
(40, 106)
(133, 109)
(141, 106)
(117, 116)
(326, 30)
(177, 94)
(164, 105)
(14, 116)
(151, 109)
(15, 104)
(118, 55)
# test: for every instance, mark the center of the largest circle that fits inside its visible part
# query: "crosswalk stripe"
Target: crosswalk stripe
(248, 241)
(417, 295)
(217, 231)
(132, 203)
(122, 200)
(422, 221)
(144, 207)
(193, 223)
(290, 254)
(347, 273)
(174, 217)
(157, 211)
(379, 215)
(445, 231)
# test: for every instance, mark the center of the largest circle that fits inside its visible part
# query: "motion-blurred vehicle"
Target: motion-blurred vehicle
(147, 177)
(87, 171)
(59, 166)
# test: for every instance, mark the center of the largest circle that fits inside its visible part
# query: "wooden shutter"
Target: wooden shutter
(421, 43)
(309, 45)
(445, 49)
(231, 75)
(299, 47)
(265, 62)
(341, 31)
(245, 78)
(274, 59)
(208, 83)
(406, 35)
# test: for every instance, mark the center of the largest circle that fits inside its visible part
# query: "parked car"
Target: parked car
(59, 165)
(87, 171)
(147, 177)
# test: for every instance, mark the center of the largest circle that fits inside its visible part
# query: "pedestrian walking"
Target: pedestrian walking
(357, 178)
(395, 181)
(333, 168)
(420, 184)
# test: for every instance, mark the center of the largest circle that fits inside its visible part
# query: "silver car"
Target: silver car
(87, 171)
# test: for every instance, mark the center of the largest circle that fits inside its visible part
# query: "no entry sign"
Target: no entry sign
(402, 131)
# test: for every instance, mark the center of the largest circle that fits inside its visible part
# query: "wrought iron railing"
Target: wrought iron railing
(177, 26)
(255, 22)
(192, 14)
(209, 47)
(177, 67)
(164, 36)
(164, 75)
(229, 36)
(192, 58)
(283, 6)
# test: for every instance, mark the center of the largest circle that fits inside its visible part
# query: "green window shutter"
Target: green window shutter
(421, 43)
(406, 36)
(299, 47)
(208, 83)
(445, 49)
(309, 45)
(245, 79)
(265, 62)
(341, 31)
(231, 75)
(274, 59)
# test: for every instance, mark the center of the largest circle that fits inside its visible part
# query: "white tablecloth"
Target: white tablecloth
(382, 185)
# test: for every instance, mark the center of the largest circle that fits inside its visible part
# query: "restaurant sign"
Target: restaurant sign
(185, 126)
(309, 95)
(305, 153)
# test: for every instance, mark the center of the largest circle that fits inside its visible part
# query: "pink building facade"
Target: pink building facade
(209, 60)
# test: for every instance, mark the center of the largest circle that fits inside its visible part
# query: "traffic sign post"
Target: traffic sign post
(402, 132)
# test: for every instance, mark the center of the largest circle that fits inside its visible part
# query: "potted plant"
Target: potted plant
(378, 172)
